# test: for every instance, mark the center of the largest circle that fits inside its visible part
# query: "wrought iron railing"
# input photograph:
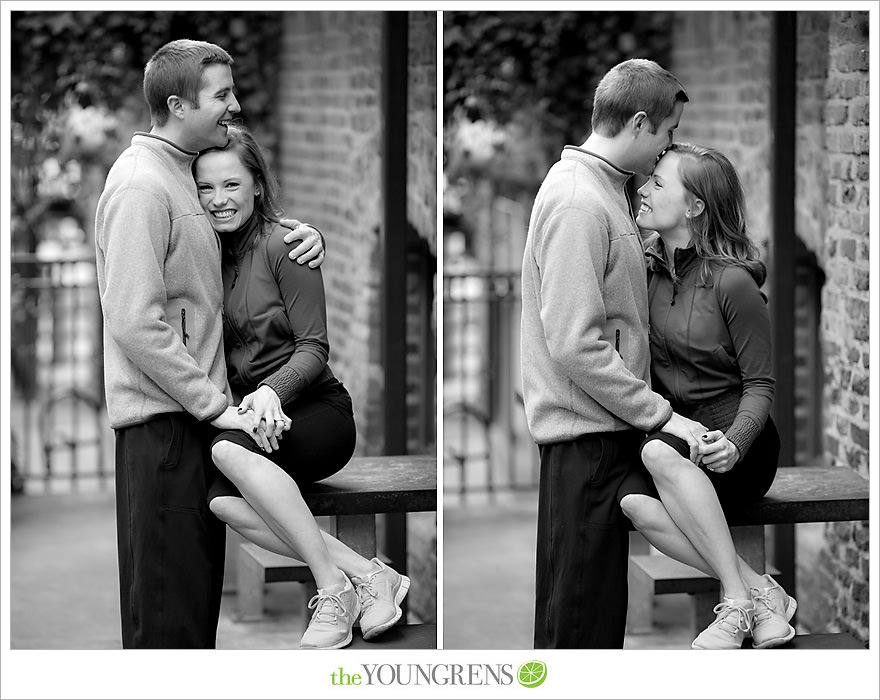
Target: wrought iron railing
(485, 441)
(57, 415)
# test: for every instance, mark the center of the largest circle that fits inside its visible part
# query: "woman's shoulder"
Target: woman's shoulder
(273, 240)
(737, 281)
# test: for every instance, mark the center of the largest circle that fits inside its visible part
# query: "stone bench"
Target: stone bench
(798, 495)
(367, 486)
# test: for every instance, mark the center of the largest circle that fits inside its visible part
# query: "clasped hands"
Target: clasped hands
(708, 447)
(260, 416)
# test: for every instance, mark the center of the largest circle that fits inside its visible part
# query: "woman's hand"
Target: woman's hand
(268, 418)
(719, 454)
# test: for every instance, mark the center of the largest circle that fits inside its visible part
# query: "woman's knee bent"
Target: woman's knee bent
(659, 458)
(229, 509)
(643, 511)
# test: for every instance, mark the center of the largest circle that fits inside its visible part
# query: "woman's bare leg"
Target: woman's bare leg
(692, 503)
(241, 517)
(276, 498)
(650, 517)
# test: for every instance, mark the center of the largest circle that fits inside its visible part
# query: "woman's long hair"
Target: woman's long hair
(719, 232)
(245, 146)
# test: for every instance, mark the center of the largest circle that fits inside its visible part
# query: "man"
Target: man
(585, 356)
(159, 279)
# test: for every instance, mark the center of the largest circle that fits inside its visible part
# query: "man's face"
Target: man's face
(647, 146)
(206, 124)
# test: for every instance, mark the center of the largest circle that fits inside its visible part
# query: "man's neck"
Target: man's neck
(172, 135)
(611, 149)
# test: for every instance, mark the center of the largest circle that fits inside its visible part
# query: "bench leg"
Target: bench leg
(640, 609)
(749, 543)
(702, 614)
(249, 582)
(358, 532)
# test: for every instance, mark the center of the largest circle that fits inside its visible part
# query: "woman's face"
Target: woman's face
(664, 198)
(226, 189)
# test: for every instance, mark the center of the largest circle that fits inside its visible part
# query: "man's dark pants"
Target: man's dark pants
(171, 547)
(583, 542)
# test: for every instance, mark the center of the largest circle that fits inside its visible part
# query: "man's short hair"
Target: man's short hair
(636, 85)
(176, 69)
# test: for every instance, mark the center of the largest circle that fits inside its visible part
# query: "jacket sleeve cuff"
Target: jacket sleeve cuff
(742, 433)
(286, 382)
(667, 415)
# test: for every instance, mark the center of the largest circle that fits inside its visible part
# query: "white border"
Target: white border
(282, 674)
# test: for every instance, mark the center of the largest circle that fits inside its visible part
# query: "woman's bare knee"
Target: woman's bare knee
(642, 510)
(659, 457)
(228, 509)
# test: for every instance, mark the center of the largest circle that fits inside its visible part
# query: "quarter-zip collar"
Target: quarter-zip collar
(615, 175)
(237, 243)
(684, 258)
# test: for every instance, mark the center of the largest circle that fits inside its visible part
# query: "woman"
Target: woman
(710, 357)
(275, 335)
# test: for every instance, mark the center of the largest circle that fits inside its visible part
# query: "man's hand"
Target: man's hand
(689, 431)
(719, 453)
(231, 419)
(311, 247)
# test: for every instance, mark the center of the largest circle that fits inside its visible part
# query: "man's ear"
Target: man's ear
(640, 121)
(175, 106)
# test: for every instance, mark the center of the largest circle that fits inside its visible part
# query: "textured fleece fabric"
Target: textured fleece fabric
(585, 357)
(158, 262)
(710, 342)
(275, 314)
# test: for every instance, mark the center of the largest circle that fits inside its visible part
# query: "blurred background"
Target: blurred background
(344, 104)
(785, 96)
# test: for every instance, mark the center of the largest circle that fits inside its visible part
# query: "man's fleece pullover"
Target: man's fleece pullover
(585, 357)
(158, 262)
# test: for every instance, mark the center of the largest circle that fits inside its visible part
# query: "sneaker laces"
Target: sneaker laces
(724, 610)
(366, 593)
(768, 607)
(321, 602)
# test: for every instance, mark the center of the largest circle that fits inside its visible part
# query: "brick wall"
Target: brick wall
(845, 310)
(330, 167)
(330, 154)
(421, 191)
(723, 59)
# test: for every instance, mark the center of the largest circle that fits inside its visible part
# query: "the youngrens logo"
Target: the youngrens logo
(531, 674)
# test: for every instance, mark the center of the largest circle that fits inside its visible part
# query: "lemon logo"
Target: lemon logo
(531, 674)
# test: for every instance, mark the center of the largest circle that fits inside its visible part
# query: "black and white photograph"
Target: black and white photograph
(427, 350)
(222, 253)
(656, 329)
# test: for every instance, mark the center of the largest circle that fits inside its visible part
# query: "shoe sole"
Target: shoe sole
(790, 608)
(402, 590)
(777, 641)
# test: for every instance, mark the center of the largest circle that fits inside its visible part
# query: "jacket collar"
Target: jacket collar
(684, 258)
(236, 243)
(598, 163)
(163, 145)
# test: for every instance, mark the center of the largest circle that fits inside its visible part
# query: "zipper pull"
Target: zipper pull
(674, 292)
(183, 326)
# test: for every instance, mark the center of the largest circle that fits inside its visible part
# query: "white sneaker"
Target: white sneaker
(331, 623)
(733, 622)
(774, 608)
(380, 595)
